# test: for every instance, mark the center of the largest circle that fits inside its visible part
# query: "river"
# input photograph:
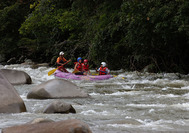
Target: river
(130, 102)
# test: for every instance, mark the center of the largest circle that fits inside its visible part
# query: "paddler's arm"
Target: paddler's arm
(107, 70)
(75, 68)
(97, 69)
(65, 63)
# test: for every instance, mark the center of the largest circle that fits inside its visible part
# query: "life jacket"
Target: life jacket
(85, 67)
(60, 60)
(102, 71)
(79, 67)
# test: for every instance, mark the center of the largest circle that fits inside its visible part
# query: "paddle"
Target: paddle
(52, 71)
(75, 71)
(103, 71)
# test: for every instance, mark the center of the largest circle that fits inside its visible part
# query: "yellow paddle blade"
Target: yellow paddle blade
(95, 74)
(52, 71)
(75, 71)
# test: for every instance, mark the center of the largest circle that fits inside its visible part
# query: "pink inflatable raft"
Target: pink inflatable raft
(60, 74)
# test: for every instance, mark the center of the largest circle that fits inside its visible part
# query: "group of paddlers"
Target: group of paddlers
(80, 68)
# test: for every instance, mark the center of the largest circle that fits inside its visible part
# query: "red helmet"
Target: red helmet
(85, 61)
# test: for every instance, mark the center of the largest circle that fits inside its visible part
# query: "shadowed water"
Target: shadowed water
(130, 102)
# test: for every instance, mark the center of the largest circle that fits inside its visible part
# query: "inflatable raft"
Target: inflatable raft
(60, 74)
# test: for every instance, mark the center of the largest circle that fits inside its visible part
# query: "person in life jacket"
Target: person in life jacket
(85, 66)
(103, 70)
(61, 61)
(78, 68)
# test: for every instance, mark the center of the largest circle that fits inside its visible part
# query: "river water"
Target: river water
(130, 102)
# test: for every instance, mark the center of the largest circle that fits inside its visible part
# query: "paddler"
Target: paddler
(85, 66)
(78, 68)
(103, 70)
(61, 61)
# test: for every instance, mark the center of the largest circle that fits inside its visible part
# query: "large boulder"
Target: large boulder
(59, 107)
(16, 77)
(10, 101)
(56, 88)
(67, 126)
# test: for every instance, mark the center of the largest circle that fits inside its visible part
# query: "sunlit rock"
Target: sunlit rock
(59, 107)
(16, 77)
(10, 101)
(56, 88)
(40, 120)
(67, 126)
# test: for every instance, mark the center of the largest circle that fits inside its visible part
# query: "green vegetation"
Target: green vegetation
(127, 34)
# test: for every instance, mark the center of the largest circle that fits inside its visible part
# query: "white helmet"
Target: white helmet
(61, 53)
(103, 64)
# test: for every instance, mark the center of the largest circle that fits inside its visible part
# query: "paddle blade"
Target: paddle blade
(52, 71)
(75, 71)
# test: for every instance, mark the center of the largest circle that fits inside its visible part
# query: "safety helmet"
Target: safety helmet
(85, 61)
(103, 64)
(61, 53)
(79, 58)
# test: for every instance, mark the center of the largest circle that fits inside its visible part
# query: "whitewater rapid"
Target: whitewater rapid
(129, 102)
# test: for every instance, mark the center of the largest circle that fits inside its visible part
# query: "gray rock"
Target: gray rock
(10, 99)
(67, 126)
(59, 107)
(16, 77)
(56, 88)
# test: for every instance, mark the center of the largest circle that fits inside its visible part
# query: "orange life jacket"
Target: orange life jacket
(102, 71)
(60, 60)
(85, 67)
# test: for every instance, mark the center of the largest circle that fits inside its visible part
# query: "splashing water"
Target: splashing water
(129, 102)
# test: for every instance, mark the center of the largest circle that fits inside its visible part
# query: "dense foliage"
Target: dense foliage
(128, 34)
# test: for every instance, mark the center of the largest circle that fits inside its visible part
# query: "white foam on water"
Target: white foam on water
(166, 96)
(147, 105)
(147, 123)
(165, 82)
(95, 94)
(124, 93)
(19, 114)
(93, 112)
(186, 95)
(183, 106)
(99, 104)
(151, 110)
(185, 88)
(128, 117)
(24, 97)
(120, 125)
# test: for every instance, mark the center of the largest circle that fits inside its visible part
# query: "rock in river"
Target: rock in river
(16, 77)
(66, 126)
(10, 101)
(59, 107)
(56, 88)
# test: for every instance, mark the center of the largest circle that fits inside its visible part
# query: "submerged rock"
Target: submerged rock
(56, 88)
(67, 126)
(10, 99)
(16, 77)
(59, 107)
